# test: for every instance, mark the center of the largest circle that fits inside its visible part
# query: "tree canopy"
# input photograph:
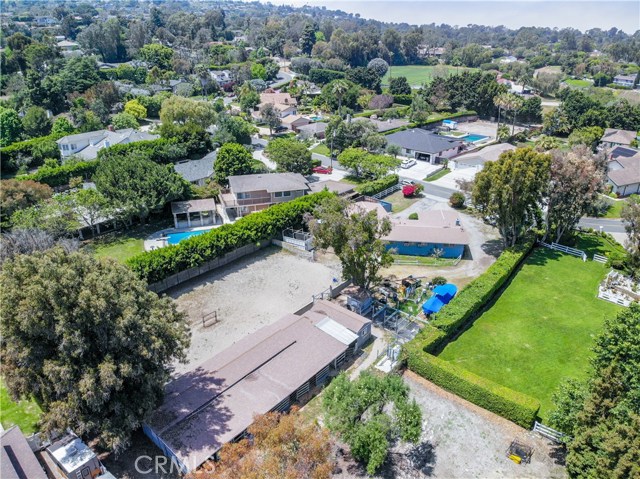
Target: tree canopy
(88, 340)
(370, 413)
(367, 165)
(290, 155)
(233, 159)
(509, 192)
(355, 237)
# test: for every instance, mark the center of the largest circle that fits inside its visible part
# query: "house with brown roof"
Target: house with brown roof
(624, 175)
(250, 193)
(613, 137)
(268, 370)
(436, 230)
(283, 102)
(17, 459)
(294, 122)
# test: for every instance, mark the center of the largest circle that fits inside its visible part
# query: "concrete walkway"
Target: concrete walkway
(379, 346)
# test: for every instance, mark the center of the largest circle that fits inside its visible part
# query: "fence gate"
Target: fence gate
(549, 433)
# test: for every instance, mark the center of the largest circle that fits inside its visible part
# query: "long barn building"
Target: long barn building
(265, 371)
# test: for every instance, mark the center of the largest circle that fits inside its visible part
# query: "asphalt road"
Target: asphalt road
(608, 225)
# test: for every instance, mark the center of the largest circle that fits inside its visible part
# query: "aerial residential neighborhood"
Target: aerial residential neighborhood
(249, 240)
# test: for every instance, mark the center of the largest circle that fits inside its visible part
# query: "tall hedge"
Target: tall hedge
(160, 150)
(12, 155)
(161, 263)
(373, 187)
(510, 404)
(322, 76)
(61, 175)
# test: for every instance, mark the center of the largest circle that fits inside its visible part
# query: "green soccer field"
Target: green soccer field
(419, 74)
(541, 329)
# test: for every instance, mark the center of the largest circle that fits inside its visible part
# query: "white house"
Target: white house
(87, 145)
(624, 80)
(624, 175)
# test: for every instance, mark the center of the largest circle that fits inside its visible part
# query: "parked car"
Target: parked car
(323, 170)
(407, 182)
(408, 163)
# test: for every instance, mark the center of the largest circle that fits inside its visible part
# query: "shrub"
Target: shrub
(15, 155)
(159, 264)
(456, 200)
(413, 216)
(160, 150)
(323, 76)
(510, 404)
(410, 191)
(373, 187)
(403, 99)
(62, 174)
(439, 280)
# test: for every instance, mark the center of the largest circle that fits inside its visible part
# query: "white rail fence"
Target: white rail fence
(566, 249)
(599, 258)
(548, 432)
(387, 192)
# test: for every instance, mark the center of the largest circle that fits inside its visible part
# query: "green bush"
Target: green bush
(13, 156)
(61, 175)
(413, 216)
(159, 264)
(160, 150)
(403, 99)
(373, 187)
(322, 76)
(510, 404)
(456, 199)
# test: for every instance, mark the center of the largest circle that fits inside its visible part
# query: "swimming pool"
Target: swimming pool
(473, 138)
(315, 118)
(175, 238)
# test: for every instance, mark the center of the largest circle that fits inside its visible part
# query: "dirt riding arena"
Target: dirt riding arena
(247, 295)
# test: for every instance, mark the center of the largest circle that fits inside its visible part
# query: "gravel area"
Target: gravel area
(247, 295)
(461, 440)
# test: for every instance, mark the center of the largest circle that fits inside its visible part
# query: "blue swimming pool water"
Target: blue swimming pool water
(175, 238)
(473, 138)
(315, 118)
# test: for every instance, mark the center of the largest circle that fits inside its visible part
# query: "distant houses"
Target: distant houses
(613, 137)
(627, 81)
(425, 145)
(87, 145)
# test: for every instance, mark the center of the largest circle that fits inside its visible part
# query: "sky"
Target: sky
(583, 15)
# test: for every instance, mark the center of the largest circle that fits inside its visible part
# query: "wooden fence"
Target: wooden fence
(214, 264)
(566, 249)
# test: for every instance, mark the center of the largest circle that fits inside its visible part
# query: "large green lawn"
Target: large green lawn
(24, 414)
(419, 74)
(541, 329)
(123, 244)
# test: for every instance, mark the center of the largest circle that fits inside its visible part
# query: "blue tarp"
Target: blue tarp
(433, 305)
(445, 291)
(441, 296)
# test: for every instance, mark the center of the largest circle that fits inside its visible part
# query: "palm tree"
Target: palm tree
(339, 89)
(501, 101)
(515, 104)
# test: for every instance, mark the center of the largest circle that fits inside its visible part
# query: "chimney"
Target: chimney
(111, 128)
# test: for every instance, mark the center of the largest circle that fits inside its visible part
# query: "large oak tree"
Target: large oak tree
(88, 341)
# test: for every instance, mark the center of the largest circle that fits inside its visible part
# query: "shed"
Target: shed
(205, 210)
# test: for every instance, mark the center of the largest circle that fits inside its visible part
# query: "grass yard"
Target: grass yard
(321, 149)
(399, 202)
(541, 329)
(423, 260)
(419, 74)
(578, 83)
(24, 414)
(615, 208)
(123, 244)
(438, 175)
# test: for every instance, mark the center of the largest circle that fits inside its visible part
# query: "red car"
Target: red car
(323, 170)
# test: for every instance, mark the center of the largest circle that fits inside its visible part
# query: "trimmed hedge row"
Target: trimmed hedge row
(476, 294)
(160, 150)
(12, 154)
(403, 99)
(373, 187)
(510, 404)
(418, 353)
(60, 175)
(159, 264)
(322, 76)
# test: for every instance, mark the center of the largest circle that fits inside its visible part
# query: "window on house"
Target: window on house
(406, 244)
(286, 193)
(278, 194)
(65, 147)
(243, 196)
(408, 151)
(72, 146)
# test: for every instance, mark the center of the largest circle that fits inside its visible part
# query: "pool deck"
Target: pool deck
(159, 238)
